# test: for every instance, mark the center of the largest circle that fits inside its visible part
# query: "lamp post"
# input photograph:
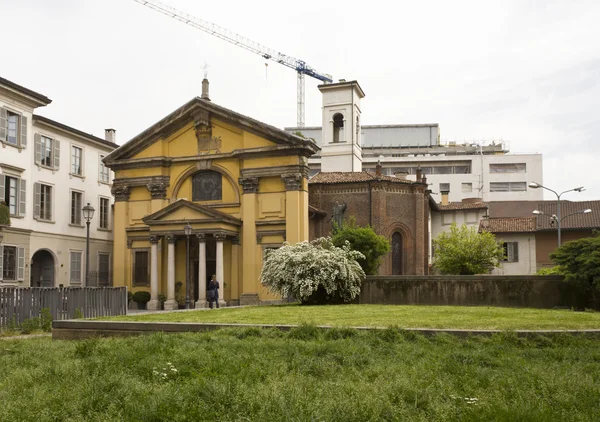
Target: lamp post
(88, 214)
(557, 218)
(188, 231)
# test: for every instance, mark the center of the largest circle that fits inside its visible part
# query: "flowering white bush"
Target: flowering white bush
(302, 269)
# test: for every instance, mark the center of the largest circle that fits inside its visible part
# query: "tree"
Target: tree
(464, 251)
(313, 272)
(365, 241)
(579, 261)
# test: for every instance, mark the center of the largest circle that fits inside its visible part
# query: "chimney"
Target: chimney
(424, 180)
(419, 173)
(110, 135)
(205, 90)
(445, 197)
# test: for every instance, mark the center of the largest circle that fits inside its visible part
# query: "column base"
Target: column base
(201, 304)
(153, 305)
(171, 305)
(222, 303)
(249, 299)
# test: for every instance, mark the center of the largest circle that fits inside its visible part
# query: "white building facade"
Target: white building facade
(48, 172)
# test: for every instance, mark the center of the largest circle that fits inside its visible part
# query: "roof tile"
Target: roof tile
(349, 177)
(509, 225)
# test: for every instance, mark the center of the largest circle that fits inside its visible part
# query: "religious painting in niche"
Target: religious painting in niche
(396, 254)
(207, 186)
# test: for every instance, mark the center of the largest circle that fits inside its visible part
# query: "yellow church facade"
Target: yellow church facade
(239, 184)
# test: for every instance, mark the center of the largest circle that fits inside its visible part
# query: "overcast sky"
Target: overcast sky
(526, 72)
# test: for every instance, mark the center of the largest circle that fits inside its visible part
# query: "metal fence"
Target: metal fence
(20, 303)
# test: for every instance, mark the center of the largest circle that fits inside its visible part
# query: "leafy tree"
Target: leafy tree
(579, 261)
(4, 214)
(313, 272)
(464, 251)
(365, 241)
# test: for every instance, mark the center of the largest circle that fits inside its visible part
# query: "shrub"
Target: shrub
(463, 251)
(141, 297)
(30, 325)
(548, 271)
(4, 214)
(364, 240)
(46, 320)
(313, 272)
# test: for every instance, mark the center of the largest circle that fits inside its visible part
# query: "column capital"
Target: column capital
(201, 237)
(235, 240)
(121, 192)
(129, 243)
(157, 190)
(220, 237)
(171, 239)
(154, 239)
(249, 184)
(293, 181)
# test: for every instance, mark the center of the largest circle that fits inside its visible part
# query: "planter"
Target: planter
(141, 305)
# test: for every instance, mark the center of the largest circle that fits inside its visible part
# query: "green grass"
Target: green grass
(302, 375)
(389, 315)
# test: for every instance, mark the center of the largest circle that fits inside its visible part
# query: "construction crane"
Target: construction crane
(299, 66)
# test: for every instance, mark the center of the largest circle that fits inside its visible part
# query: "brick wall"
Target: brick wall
(387, 207)
(546, 242)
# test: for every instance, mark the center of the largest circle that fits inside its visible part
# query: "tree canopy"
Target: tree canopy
(365, 241)
(313, 272)
(464, 251)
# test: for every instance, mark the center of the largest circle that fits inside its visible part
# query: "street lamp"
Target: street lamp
(188, 231)
(88, 214)
(557, 217)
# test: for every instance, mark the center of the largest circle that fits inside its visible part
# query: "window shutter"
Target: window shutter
(21, 264)
(22, 198)
(100, 168)
(1, 260)
(2, 180)
(56, 143)
(516, 251)
(37, 196)
(37, 140)
(23, 131)
(3, 125)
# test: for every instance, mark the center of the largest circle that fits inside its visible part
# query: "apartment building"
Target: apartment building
(48, 172)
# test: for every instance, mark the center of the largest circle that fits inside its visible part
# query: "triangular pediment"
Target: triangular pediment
(183, 210)
(200, 111)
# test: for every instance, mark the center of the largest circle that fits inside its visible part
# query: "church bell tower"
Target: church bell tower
(341, 144)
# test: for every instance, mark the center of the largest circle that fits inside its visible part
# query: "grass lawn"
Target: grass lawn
(302, 375)
(468, 317)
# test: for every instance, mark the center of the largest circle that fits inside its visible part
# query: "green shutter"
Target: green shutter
(20, 264)
(37, 142)
(22, 198)
(37, 196)
(3, 124)
(2, 180)
(23, 131)
(1, 260)
(516, 251)
(56, 163)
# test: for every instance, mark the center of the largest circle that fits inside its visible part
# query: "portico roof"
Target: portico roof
(178, 213)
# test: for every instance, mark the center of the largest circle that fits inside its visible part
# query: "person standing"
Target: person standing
(213, 292)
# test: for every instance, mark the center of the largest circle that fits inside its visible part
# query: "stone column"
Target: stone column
(295, 209)
(201, 303)
(153, 305)
(250, 283)
(220, 238)
(234, 298)
(171, 303)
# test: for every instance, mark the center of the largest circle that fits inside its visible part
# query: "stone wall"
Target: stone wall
(484, 290)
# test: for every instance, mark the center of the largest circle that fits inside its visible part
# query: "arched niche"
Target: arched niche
(227, 180)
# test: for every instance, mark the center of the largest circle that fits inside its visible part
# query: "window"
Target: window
(76, 201)
(13, 128)
(12, 263)
(104, 210)
(508, 186)
(103, 269)
(467, 187)
(444, 187)
(443, 170)
(47, 151)
(141, 276)
(104, 175)
(508, 168)
(511, 251)
(338, 128)
(447, 218)
(207, 186)
(13, 193)
(76, 161)
(75, 262)
(43, 202)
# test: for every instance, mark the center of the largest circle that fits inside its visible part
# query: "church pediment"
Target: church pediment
(200, 112)
(183, 211)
